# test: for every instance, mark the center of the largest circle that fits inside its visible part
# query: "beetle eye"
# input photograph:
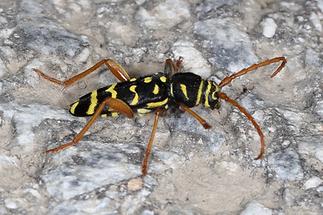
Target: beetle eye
(214, 96)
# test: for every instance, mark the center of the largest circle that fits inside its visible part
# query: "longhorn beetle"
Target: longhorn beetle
(154, 93)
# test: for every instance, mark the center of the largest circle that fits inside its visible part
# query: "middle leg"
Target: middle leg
(144, 166)
(196, 116)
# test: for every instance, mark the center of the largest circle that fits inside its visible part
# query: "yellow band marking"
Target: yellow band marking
(148, 79)
(135, 99)
(143, 110)
(207, 92)
(157, 104)
(72, 109)
(163, 79)
(199, 93)
(114, 114)
(217, 89)
(171, 90)
(184, 90)
(133, 79)
(156, 89)
(93, 104)
(112, 91)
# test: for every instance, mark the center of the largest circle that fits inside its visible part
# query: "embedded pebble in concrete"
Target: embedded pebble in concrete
(269, 27)
(254, 208)
(312, 182)
(192, 170)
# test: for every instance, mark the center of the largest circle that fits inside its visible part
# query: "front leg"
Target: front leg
(172, 66)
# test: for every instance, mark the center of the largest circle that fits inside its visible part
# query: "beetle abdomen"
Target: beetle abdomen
(142, 95)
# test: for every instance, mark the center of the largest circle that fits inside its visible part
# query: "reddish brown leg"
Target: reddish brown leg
(179, 63)
(117, 70)
(115, 104)
(250, 118)
(227, 80)
(172, 67)
(196, 116)
(144, 166)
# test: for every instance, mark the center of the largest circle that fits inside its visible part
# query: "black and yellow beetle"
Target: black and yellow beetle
(154, 93)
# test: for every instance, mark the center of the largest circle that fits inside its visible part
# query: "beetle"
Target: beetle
(154, 93)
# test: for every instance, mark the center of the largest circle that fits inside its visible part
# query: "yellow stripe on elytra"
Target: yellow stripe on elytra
(114, 114)
(163, 79)
(112, 91)
(171, 90)
(72, 109)
(93, 104)
(207, 92)
(199, 93)
(148, 79)
(156, 89)
(184, 90)
(157, 104)
(133, 79)
(135, 99)
(143, 110)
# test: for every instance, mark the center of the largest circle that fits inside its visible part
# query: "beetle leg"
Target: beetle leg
(251, 119)
(172, 66)
(196, 116)
(115, 104)
(144, 166)
(179, 63)
(117, 70)
(227, 80)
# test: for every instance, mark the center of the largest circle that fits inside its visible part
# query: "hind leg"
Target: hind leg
(117, 70)
(116, 104)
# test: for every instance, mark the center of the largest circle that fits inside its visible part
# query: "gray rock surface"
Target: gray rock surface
(192, 170)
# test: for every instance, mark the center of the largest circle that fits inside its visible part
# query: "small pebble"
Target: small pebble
(269, 27)
(312, 182)
(255, 208)
(135, 184)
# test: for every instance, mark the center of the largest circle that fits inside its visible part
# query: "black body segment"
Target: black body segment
(187, 89)
(148, 93)
(143, 95)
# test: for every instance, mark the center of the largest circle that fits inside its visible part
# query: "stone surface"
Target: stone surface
(192, 170)
(254, 208)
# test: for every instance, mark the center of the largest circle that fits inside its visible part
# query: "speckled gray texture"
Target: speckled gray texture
(193, 171)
